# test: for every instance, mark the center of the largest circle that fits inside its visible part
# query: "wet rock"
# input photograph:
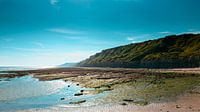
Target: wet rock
(82, 91)
(78, 102)
(77, 84)
(109, 86)
(62, 98)
(123, 104)
(137, 101)
(128, 100)
(78, 94)
(177, 106)
(68, 86)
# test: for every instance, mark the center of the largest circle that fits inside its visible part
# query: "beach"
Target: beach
(125, 90)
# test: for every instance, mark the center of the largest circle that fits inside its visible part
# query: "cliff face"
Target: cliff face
(169, 52)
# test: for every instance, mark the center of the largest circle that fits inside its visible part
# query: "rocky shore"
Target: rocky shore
(128, 88)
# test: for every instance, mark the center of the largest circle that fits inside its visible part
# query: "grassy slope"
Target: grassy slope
(169, 48)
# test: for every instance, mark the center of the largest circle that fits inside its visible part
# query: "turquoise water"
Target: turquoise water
(27, 93)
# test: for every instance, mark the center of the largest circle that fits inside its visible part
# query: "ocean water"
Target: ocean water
(27, 92)
(4, 68)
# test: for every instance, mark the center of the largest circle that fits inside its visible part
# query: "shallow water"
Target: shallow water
(27, 92)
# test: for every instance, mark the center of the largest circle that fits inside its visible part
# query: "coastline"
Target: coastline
(130, 90)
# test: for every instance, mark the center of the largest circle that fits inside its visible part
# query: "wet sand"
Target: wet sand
(185, 103)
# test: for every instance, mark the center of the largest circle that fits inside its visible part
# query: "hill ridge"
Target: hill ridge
(174, 51)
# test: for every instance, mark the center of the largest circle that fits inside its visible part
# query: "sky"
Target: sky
(45, 33)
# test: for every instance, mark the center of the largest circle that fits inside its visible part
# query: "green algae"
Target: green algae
(151, 89)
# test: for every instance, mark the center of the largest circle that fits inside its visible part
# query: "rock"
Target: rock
(109, 86)
(82, 91)
(68, 86)
(128, 100)
(62, 98)
(78, 102)
(178, 106)
(77, 84)
(78, 94)
(123, 104)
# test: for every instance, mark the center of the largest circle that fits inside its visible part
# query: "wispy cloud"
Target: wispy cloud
(190, 32)
(54, 2)
(132, 39)
(64, 31)
(39, 44)
(193, 31)
(73, 37)
(165, 32)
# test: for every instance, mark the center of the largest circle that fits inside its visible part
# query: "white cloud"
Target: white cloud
(54, 2)
(165, 32)
(64, 31)
(130, 38)
(190, 31)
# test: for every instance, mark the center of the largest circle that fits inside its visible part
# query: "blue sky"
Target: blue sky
(46, 33)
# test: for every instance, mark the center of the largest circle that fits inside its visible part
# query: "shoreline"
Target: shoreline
(129, 90)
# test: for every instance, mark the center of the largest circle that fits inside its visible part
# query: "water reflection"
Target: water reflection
(27, 92)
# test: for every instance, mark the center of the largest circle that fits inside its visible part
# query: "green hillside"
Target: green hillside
(173, 51)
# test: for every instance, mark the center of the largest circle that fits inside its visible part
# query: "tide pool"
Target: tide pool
(27, 92)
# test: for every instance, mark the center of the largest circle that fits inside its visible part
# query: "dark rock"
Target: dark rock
(78, 102)
(82, 91)
(123, 104)
(68, 86)
(77, 84)
(178, 106)
(62, 98)
(78, 94)
(128, 100)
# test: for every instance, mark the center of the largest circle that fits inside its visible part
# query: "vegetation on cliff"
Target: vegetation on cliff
(173, 51)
